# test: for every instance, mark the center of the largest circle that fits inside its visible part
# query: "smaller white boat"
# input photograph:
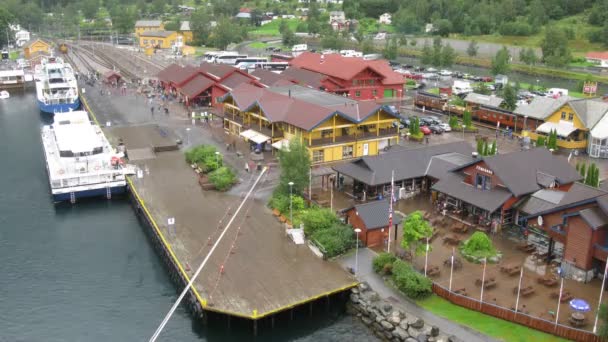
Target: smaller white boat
(4, 94)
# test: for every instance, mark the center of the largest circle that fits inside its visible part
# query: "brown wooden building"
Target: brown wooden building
(372, 218)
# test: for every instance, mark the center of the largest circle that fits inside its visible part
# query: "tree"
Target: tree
(480, 147)
(124, 19)
(448, 55)
(427, 54)
(454, 123)
(538, 14)
(405, 21)
(283, 26)
(482, 88)
(443, 27)
(199, 23)
(289, 38)
(510, 97)
(391, 49)
(582, 171)
(415, 229)
(540, 141)
(437, 46)
(295, 167)
(555, 47)
(173, 25)
(500, 62)
(224, 33)
(528, 56)
(332, 41)
(414, 128)
(367, 46)
(5, 19)
(466, 119)
(89, 8)
(493, 148)
(472, 49)
(158, 6)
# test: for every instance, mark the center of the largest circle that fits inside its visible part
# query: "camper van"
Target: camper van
(461, 87)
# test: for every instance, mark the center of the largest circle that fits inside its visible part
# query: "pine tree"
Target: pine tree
(466, 119)
(540, 142)
(589, 176)
(578, 166)
(485, 148)
(493, 148)
(480, 147)
(595, 182)
(582, 171)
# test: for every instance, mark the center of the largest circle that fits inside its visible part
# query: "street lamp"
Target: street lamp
(463, 127)
(357, 230)
(217, 158)
(187, 136)
(290, 203)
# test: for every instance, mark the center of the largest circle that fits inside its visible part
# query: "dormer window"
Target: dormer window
(483, 182)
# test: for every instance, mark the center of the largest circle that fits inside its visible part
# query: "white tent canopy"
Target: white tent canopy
(254, 136)
(282, 144)
(563, 128)
(600, 131)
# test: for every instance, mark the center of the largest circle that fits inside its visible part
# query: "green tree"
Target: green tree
(583, 171)
(199, 23)
(415, 229)
(493, 148)
(540, 141)
(427, 54)
(480, 147)
(528, 56)
(405, 21)
(332, 41)
(466, 119)
(295, 167)
(538, 14)
(443, 27)
(510, 97)
(454, 122)
(367, 46)
(472, 48)
(500, 62)
(391, 49)
(173, 25)
(578, 166)
(89, 8)
(283, 26)
(158, 6)
(437, 47)
(224, 33)
(5, 19)
(124, 18)
(485, 148)
(555, 47)
(414, 128)
(448, 56)
(289, 38)
(482, 88)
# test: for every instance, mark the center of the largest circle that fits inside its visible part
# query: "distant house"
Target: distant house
(244, 13)
(428, 28)
(158, 39)
(598, 57)
(372, 218)
(186, 31)
(22, 37)
(503, 80)
(337, 16)
(37, 45)
(385, 18)
(142, 26)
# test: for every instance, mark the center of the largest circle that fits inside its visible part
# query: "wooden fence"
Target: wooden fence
(520, 318)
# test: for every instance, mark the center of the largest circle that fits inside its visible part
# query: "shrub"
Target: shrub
(279, 202)
(204, 156)
(410, 282)
(382, 260)
(335, 240)
(479, 245)
(222, 178)
(315, 219)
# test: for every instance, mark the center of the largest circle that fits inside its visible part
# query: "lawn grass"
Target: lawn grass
(433, 91)
(272, 28)
(13, 55)
(494, 327)
(258, 45)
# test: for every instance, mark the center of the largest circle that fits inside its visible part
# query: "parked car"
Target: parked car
(458, 74)
(436, 129)
(431, 120)
(398, 124)
(394, 64)
(445, 127)
(425, 130)
(426, 122)
(405, 121)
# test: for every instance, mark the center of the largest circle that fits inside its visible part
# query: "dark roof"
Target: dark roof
(196, 86)
(235, 80)
(518, 170)
(375, 214)
(167, 73)
(269, 78)
(453, 185)
(594, 217)
(304, 77)
(218, 70)
(160, 34)
(544, 179)
(546, 200)
(602, 201)
(407, 163)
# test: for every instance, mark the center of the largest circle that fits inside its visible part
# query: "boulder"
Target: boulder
(363, 287)
(400, 334)
(403, 325)
(388, 335)
(422, 338)
(434, 331)
(354, 290)
(354, 298)
(376, 325)
(410, 339)
(453, 338)
(415, 322)
(414, 332)
(441, 338)
(387, 309)
(387, 326)
(374, 297)
(366, 321)
(394, 319)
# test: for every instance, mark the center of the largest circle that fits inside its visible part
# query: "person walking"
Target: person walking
(152, 111)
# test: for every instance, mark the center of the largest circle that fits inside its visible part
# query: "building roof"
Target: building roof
(196, 85)
(546, 200)
(302, 107)
(184, 26)
(269, 78)
(597, 55)
(304, 77)
(218, 70)
(158, 34)
(375, 214)
(454, 186)
(31, 42)
(407, 163)
(518, 170)
(148, 23)
(541, 107)
(594, 217)
(486, 100)
(590, 111)
(346, 68)
(167, 73)
(234, 80)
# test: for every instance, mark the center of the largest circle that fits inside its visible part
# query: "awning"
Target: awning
(600, 131)
(563, 128)
(281, 145)
(254, 136)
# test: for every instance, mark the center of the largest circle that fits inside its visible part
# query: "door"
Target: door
(365, 149)
(388, 93)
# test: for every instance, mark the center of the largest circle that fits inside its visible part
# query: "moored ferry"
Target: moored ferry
(56, 86)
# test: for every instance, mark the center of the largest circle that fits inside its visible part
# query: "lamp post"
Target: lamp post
(290, 202)
(217, 158)
(463, 127)
(357, 230)
(187, 136)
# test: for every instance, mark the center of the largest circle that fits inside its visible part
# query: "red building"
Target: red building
(203, 85)
(372, 219)
(352, 76)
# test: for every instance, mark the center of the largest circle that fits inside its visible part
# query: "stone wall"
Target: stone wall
(388, 323)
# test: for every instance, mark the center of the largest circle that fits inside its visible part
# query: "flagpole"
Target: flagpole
(559, 300)
(483, 281)
(390, 214)
(451, 270)
(521, 275)
(599, 303)
(426, 256)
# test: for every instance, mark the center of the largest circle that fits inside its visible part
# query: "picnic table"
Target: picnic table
(577, 320)
(511, 269)
(433, 271)
(457, 263)
(459, 228)
(452, 239)
(525, 291)
(566, 296)
(547, 280)
(488, 283)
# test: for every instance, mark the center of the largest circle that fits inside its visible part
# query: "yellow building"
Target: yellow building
(36, 46)
(142, 26)
(186, 31)
(332, 127)
(158, 39)
(572, 121)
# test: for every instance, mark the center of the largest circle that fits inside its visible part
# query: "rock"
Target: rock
(363, 287)
(354, 298)
(422, 338)
(354, 290)
(394, 319)
(410, 339)
(377, 326)
(453, 338)
(413, 331)
(388, 335)
(434, 331)
(426, 329)
(403, 325)
(400, 334)
(387, 308)
(359, 315)
(441, 338)
(379, 318)
(387, 326)
(366, 321)
(416, 323)
(374, 297)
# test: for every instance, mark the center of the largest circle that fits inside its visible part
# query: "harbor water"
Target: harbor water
(88, 272)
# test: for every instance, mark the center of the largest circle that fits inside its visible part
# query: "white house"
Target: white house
(337, 16)
(429, 28)
(598, 57)
(385, 18)
(21, 37)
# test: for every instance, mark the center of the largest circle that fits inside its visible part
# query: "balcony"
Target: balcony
(384, 132)
(254, 126)
(569, 144)
(558, 233)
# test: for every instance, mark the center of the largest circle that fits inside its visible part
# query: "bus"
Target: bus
(209, 56)
(280, 57)
(272, 65)
(228, 58)
(249, 62)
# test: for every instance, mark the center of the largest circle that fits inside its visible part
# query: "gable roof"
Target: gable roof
(218, 70)
(269, 78)
(148, 23)
(594, 217)
(454, 185)
(375, 214)
(33, 41)
(486, 100)
(304, 77)
(407, 163)
(541, 107)
(234, 80)
(546, 200)
(196, 85)
(590, 111)
(346, 68)
(597, 55)
(518, 170)
(158, 34)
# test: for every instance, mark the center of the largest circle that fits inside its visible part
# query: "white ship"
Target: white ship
(80, 160)
(56, 86)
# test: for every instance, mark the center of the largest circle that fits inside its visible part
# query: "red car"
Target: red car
(425, 130)
(487, 79)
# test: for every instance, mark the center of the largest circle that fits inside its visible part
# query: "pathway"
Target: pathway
(367, 274)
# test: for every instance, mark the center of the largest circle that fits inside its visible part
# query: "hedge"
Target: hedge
(222, 178)
(382, 260)
(403, 275)
(335, 240)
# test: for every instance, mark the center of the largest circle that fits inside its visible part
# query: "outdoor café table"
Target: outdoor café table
(511, 269)
(578, 316)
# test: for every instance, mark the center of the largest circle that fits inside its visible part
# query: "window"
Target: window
(374, 92)
(318, 156)
(355, 82)
(563, 115)
(347, 151)
(371, 82)
(570, 116)
(483, 182)
(358, 93)
(145, 42)
(326, 134)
